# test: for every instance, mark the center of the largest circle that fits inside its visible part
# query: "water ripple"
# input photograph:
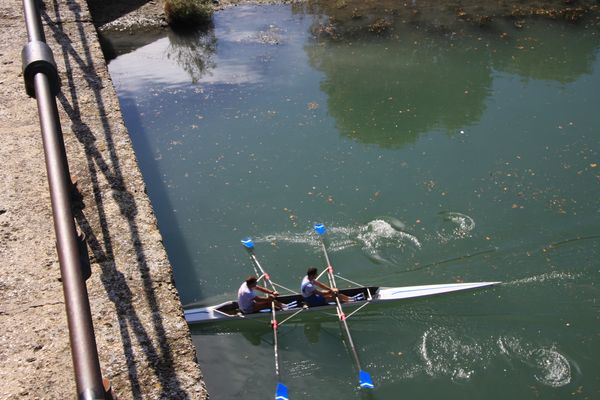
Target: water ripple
(551, 367)
(548, 276)
(301, 368)
(459, 226)
(374, 238)
(446, 353)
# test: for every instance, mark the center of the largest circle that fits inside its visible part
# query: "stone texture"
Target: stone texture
(143, 341)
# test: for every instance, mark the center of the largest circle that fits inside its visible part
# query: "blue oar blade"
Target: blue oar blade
(320, 229)
(365, 380)
(282, 392)
(248, 243)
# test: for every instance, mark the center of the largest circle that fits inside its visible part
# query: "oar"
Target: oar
(282, 391)
(364, 378)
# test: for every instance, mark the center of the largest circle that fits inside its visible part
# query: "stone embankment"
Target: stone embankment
(144, 344)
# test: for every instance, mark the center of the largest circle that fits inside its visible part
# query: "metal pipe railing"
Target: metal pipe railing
(42, 82)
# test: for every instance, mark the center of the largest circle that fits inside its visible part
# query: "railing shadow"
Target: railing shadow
(158, 354)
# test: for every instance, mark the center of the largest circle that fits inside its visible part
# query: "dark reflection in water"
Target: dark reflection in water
(193, 51)
(439, 66)
(116, 43)
(424, 84)
(551, 54)
(438, 70)
(312, 331)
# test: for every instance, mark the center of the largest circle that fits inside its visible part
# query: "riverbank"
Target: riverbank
(133, 15)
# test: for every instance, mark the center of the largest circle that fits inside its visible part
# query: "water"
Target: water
(433, 155)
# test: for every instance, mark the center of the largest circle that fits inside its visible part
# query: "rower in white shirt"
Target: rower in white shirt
(315, 297)
(249, 302)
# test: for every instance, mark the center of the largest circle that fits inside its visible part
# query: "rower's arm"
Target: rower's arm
(323, 286)
(267, 291)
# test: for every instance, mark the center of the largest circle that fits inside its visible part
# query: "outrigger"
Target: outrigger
(294, 305)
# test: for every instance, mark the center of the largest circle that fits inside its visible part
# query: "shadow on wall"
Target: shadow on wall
(137, 332)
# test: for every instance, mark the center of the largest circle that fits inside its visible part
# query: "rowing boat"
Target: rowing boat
(370, 294)
(293, 304)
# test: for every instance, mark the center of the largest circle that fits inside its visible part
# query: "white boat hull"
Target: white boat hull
(228, 310)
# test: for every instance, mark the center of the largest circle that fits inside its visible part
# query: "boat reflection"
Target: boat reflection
(312, 331)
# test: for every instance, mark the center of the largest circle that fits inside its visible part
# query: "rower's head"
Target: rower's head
(251, 281)
(311, 273)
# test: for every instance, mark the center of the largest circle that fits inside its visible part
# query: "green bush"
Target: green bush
(188, 13)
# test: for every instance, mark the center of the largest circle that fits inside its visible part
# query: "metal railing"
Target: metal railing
(42, 82)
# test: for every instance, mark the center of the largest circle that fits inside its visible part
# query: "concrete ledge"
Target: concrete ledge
(144, 343)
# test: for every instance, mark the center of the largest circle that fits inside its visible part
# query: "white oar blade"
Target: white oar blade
(365, 380)
(282, 392)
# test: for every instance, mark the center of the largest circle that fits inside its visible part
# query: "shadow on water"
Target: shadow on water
(193, 51)
(115, 43)
(179, 253)
(132, 327)
(312, 331)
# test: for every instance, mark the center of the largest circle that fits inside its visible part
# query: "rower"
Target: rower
(315, 297)
(249, 302)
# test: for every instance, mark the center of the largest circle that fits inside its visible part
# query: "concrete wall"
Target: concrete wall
(144, 343)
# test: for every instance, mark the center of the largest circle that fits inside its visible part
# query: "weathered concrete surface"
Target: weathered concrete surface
(143, 341)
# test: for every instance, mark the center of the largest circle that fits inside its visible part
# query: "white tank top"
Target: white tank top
(246, 298)
(307, 287)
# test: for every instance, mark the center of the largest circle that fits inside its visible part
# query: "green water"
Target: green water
(432, 155)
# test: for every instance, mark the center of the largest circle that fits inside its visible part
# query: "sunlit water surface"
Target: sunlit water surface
(431, 156)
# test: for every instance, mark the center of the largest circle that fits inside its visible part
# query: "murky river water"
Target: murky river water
(433, 155)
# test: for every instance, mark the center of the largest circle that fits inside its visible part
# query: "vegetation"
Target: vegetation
(188, 13)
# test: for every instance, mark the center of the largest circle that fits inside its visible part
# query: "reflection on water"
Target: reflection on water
(435, 80)
(437, 143)
(193, 51)
(426, 83)
(556, 57)
(312, 330)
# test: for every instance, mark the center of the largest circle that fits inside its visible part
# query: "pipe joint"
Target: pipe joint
(37, 58)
